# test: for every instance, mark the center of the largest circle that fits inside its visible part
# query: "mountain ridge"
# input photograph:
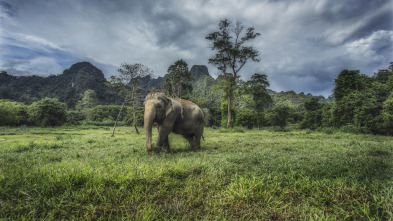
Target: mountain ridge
(70, 85)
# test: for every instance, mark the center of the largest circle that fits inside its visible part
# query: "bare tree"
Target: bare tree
(128, 84)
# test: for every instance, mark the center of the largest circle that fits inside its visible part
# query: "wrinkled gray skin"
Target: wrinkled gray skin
(168, 115)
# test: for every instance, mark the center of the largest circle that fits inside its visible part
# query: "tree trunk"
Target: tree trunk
(87, 115)
(118, 116)
(229, 113)
(134, 119)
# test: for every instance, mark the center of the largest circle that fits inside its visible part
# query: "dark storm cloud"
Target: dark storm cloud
(304, 44)
(7, 9)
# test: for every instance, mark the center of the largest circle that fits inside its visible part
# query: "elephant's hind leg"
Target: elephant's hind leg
(198, 134)
(193, 141)
(197, 142)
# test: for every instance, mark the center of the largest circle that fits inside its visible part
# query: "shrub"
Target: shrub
(139, 116)
(12, 113)
(74, 117)
(47, 112)
(108, 113)
(328, 115)
(278, 116)
(104, 112)
(246, 118)
(313, 117)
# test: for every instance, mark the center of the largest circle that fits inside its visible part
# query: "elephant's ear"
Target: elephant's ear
(168, 104)
(169, 108)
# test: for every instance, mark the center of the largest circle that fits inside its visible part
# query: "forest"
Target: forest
(81, 95)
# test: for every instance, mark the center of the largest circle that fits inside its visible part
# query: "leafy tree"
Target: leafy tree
(178, 83)
(328, 111)
(313, 116)
(278, 116)
(12, 113)
(257, 88)
(231, 55)
(88, 101)
(246, 118)
(387, 115)
(347, 107)
(47, 112)
(360, 100)
(367, 118)
(128, 84)
(213, 117)
(348, 93)
(383, 75)
(348, 81)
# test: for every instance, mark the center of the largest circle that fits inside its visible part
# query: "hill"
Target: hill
(294, 100)
(67, 87)
(198, 71)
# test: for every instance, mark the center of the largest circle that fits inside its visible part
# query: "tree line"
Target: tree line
(362, 104)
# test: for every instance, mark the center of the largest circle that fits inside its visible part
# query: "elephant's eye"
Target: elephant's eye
(158, 105)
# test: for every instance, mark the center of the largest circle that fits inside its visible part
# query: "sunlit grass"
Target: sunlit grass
(84, 173)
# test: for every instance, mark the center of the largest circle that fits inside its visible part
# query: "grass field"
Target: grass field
(82, 172)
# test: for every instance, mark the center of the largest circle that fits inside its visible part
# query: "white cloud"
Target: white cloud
(369, 47)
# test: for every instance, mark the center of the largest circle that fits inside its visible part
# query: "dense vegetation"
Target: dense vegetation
(362, 103)
(81, 172)
(359, 103)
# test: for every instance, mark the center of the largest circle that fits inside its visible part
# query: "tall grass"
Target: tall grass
(84, 173)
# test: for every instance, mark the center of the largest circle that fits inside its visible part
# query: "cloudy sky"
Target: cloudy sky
(304, 44)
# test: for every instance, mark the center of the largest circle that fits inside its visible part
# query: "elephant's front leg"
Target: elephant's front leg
(162, 138)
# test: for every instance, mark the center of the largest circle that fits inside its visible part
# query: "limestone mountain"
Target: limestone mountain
(67, 87)
(197, 71)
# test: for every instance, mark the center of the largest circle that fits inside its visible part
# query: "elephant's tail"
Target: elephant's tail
(203, 137)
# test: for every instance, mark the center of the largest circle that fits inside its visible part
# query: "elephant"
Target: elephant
(172, 115)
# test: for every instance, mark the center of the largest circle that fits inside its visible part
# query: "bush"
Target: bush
(12, 113)
(75, 117)
(313, 117)
(246, 118)
(107, 112)
(232, 130)
(47, 112)
(139, 116)
(212, 117)
(328, 111)
(312, 120)
(278, 116)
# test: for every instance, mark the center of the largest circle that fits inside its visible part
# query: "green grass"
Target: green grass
(83, 173)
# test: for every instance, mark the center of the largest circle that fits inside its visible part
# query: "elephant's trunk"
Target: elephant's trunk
(150, 114)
